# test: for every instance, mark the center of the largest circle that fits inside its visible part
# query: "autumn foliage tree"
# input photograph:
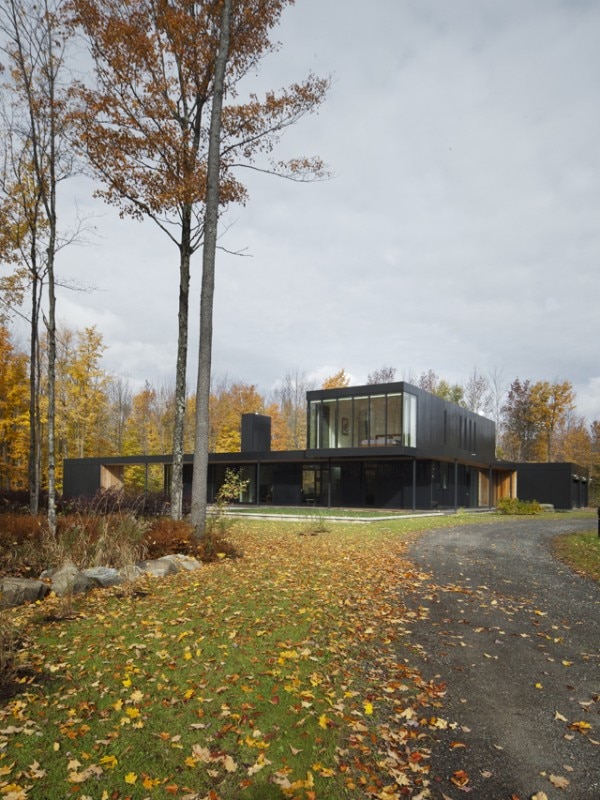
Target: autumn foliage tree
(290, 404)
(14, 421)
(228, 401)
(338, 380)
(144, 124)
(532, 416)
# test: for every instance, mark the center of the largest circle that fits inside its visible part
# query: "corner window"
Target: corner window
(409, 422)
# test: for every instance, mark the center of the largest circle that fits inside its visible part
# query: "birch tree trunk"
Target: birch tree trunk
(211, 218)
(185, 250)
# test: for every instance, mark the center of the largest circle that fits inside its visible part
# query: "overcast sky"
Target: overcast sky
(461, 228)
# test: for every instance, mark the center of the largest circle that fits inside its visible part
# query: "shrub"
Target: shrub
(512, 505)
(214, 547)
(165, 536)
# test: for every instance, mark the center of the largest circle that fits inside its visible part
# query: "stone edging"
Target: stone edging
(68, 579)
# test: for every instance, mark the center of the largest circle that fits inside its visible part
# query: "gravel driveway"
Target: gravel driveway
(515, 635)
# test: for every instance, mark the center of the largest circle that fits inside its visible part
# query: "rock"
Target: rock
(182, 562)
(106, 576)
(69, 580)
(17, 591)
(158, 568)
(131, 572)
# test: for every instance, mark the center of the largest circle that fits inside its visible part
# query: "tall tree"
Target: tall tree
(498, 394)
(477, 394)
(142, 435)
(34, 47)
(81, 393)
(211, 219)
(551, 403)
(338, 380)
(521, 424)
(120, 397)
(14, 423)
(573, 441)
(290, 397)
(428, 381)
(227, 404)
(145, 132)
(382, 375)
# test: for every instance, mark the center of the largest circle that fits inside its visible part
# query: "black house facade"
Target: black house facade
(382, 446)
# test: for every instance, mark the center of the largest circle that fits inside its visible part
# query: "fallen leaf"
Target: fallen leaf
(460, 778)
(558, 781)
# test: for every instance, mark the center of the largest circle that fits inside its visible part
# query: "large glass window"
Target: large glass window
(361, 422)
(409, 426)
(377, 417)
(394, 419)
(344, 422)
(315, 425)
(329, 423)
(374, 421)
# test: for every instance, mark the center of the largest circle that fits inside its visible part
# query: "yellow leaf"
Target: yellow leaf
(539, 686)
(131, 778)
(323, 721)
(558, 781)
(109, 761)
(582, 727)
(368, 707)
(229, 764)
(126, 683)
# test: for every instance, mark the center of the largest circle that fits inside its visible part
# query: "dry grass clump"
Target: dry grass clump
(88, 539)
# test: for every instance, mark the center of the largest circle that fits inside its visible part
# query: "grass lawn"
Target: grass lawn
(581, 551)
(283, 674)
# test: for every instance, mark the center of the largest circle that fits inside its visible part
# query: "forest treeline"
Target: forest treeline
(99, 414)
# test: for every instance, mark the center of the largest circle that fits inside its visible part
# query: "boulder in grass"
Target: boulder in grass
(158, 568)
(18, 591)
(106, 576)
(69, 580)
(182, 562)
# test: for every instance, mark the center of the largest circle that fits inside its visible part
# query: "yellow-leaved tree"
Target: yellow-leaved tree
(14, 417)
(337, 381)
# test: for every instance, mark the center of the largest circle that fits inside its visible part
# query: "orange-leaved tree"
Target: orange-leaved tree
(144, 125)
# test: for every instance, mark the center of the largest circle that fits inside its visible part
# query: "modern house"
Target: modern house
(382, 446)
